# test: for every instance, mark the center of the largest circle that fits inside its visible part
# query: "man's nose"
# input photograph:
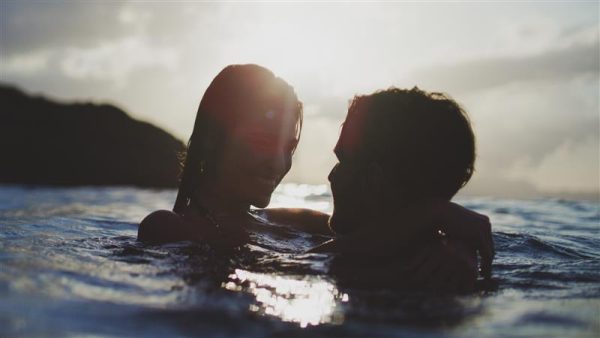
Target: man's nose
(331, 176)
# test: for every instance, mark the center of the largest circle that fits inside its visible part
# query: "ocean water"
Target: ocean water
(70, 265)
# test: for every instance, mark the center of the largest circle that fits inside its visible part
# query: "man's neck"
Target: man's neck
(410, 221)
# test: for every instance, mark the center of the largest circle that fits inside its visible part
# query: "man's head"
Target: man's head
(397, 148)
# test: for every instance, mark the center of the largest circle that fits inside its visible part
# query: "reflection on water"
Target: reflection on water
(305, 300)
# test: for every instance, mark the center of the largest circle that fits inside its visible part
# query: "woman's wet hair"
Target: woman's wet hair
(426, 138)
(237, 90)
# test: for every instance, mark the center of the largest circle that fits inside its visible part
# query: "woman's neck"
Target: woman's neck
(217, 203)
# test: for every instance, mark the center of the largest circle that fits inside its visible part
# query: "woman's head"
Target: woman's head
(246, 130)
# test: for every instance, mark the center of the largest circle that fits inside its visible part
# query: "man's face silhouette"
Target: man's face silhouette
(347, 189)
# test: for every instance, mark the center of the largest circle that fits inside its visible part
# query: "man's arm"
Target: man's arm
(440, 267)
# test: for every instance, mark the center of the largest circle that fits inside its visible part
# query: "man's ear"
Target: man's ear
(373, 186)
(374, 178)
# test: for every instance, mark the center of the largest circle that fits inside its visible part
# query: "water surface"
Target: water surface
(70, 266)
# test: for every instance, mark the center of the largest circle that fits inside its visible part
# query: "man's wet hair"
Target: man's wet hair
(423, 140)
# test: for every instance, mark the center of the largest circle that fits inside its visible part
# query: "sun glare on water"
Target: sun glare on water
(307, 300)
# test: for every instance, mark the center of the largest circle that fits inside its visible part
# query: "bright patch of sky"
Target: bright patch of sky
(527, 72)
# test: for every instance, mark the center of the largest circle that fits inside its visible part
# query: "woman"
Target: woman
(247, 128)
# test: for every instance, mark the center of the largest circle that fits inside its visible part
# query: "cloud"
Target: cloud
(27, 64)
(115, 60)
(571, 167)
(532, 119)
(481, 74)
(29, 26)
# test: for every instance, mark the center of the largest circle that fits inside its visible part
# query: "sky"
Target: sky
(527, 72)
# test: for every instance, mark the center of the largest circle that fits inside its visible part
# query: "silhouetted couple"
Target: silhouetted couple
(403, 154)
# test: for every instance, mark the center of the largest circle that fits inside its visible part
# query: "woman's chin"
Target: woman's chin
(261, 202)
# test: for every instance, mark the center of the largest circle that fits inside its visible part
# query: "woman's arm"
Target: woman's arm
(307, 220)
(470, 228)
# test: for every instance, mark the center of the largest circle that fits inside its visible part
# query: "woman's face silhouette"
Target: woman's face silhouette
(256, 156)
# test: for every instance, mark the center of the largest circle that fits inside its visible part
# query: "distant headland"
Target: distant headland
(43, 142)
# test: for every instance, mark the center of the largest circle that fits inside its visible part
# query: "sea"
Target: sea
(70, 266)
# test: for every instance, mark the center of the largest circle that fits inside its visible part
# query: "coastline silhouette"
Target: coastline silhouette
(44, 142)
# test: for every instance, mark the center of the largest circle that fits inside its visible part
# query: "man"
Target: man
(403, 154)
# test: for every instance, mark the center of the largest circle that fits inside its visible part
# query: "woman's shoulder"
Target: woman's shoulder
(161, 226)
(161, 217)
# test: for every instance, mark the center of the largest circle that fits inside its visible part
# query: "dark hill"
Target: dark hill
(49, 143)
